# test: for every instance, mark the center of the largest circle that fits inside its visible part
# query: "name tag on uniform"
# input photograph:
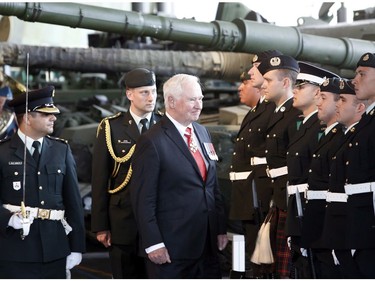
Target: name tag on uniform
(12, 163)
(124, 141)
(16, 185)
(209, 147)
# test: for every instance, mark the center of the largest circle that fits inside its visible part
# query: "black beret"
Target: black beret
(38, 101)
(138, 77)
(331, 85)
(266, 54)
(278, 62)
(244, 76)
(367, 59)
(346, 87)
(309, 73)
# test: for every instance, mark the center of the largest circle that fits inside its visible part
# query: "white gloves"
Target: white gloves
(303, 252)
(16, 221)
(73, 259)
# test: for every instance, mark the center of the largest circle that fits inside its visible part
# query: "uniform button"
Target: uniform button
(272, 181)
(347, 163)
(16, 173)
(296, 153)
(59, 171)
(314, 155)
(334, 157)
(42, 202)
(329, 174)
(119, 141)
(241, 138)
(40, 187)
(234, 153)
(123, 151)
(310, 171)
(38, 172)
(287, 153)
(266, 151)
(259, 130)
(248, 145)
(237, 139)
(268, 136)
(350, 145)
(231, 166)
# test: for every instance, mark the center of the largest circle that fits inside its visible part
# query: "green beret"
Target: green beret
(138, 77)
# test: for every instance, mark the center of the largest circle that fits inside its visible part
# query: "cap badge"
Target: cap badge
(255, 58)
(342, 84)
(366, 57)
(325, 83)
(275, 61)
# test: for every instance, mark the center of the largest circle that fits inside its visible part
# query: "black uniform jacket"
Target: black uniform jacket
(299, 157)
(280, 131)
(250, 142)
(171, 202)
(360, 168)
(113, 211)
(318, 179)
(335, 220)
(52, 185)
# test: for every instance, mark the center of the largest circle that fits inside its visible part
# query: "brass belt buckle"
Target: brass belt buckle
(43, 214)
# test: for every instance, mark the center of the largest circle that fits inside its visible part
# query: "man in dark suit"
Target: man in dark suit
(299, 156)
(280, 74)
(41, 214)
(360, 173)
(112, 217)
(175, 194)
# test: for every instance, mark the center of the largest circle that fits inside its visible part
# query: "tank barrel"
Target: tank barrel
(237, 36)
(214, 65)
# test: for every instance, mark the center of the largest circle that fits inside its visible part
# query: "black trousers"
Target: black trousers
(125, 263)
(33, 270)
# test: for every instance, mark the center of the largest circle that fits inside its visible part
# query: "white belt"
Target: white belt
(38, 213)
(274, 173)
(336, 197)
(292, 189)
(258, 161)
(358, 188)
(316, 194)
(233, 176)
(351, 189)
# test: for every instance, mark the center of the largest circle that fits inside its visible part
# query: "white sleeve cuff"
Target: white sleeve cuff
(154, 247)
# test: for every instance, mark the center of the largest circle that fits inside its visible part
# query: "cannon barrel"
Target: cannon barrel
(238, 36)
(214, 65)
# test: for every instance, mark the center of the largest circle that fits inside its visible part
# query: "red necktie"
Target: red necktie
(196, 153)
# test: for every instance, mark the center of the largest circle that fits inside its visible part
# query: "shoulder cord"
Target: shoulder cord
(118, 160)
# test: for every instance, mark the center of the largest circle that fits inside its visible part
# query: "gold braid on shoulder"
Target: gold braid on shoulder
(118, 160)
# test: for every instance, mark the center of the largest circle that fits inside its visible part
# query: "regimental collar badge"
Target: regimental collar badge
(282, 109)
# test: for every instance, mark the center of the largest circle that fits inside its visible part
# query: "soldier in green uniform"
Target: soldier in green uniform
(112, 216)
(42, 234)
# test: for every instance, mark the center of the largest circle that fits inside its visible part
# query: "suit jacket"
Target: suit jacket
(52, 185)
(250, 142)
(280, 131)
(171, 202)
(360, 168)
(318, 179)
(298, 159)
(113, 211)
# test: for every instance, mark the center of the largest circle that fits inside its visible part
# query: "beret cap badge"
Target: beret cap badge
(275, 61)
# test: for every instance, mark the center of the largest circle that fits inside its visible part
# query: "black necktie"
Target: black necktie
(144, 125)
(36, 153)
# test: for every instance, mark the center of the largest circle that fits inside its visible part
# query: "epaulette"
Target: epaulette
(5, 139)
(107, 118)
(57, 139)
